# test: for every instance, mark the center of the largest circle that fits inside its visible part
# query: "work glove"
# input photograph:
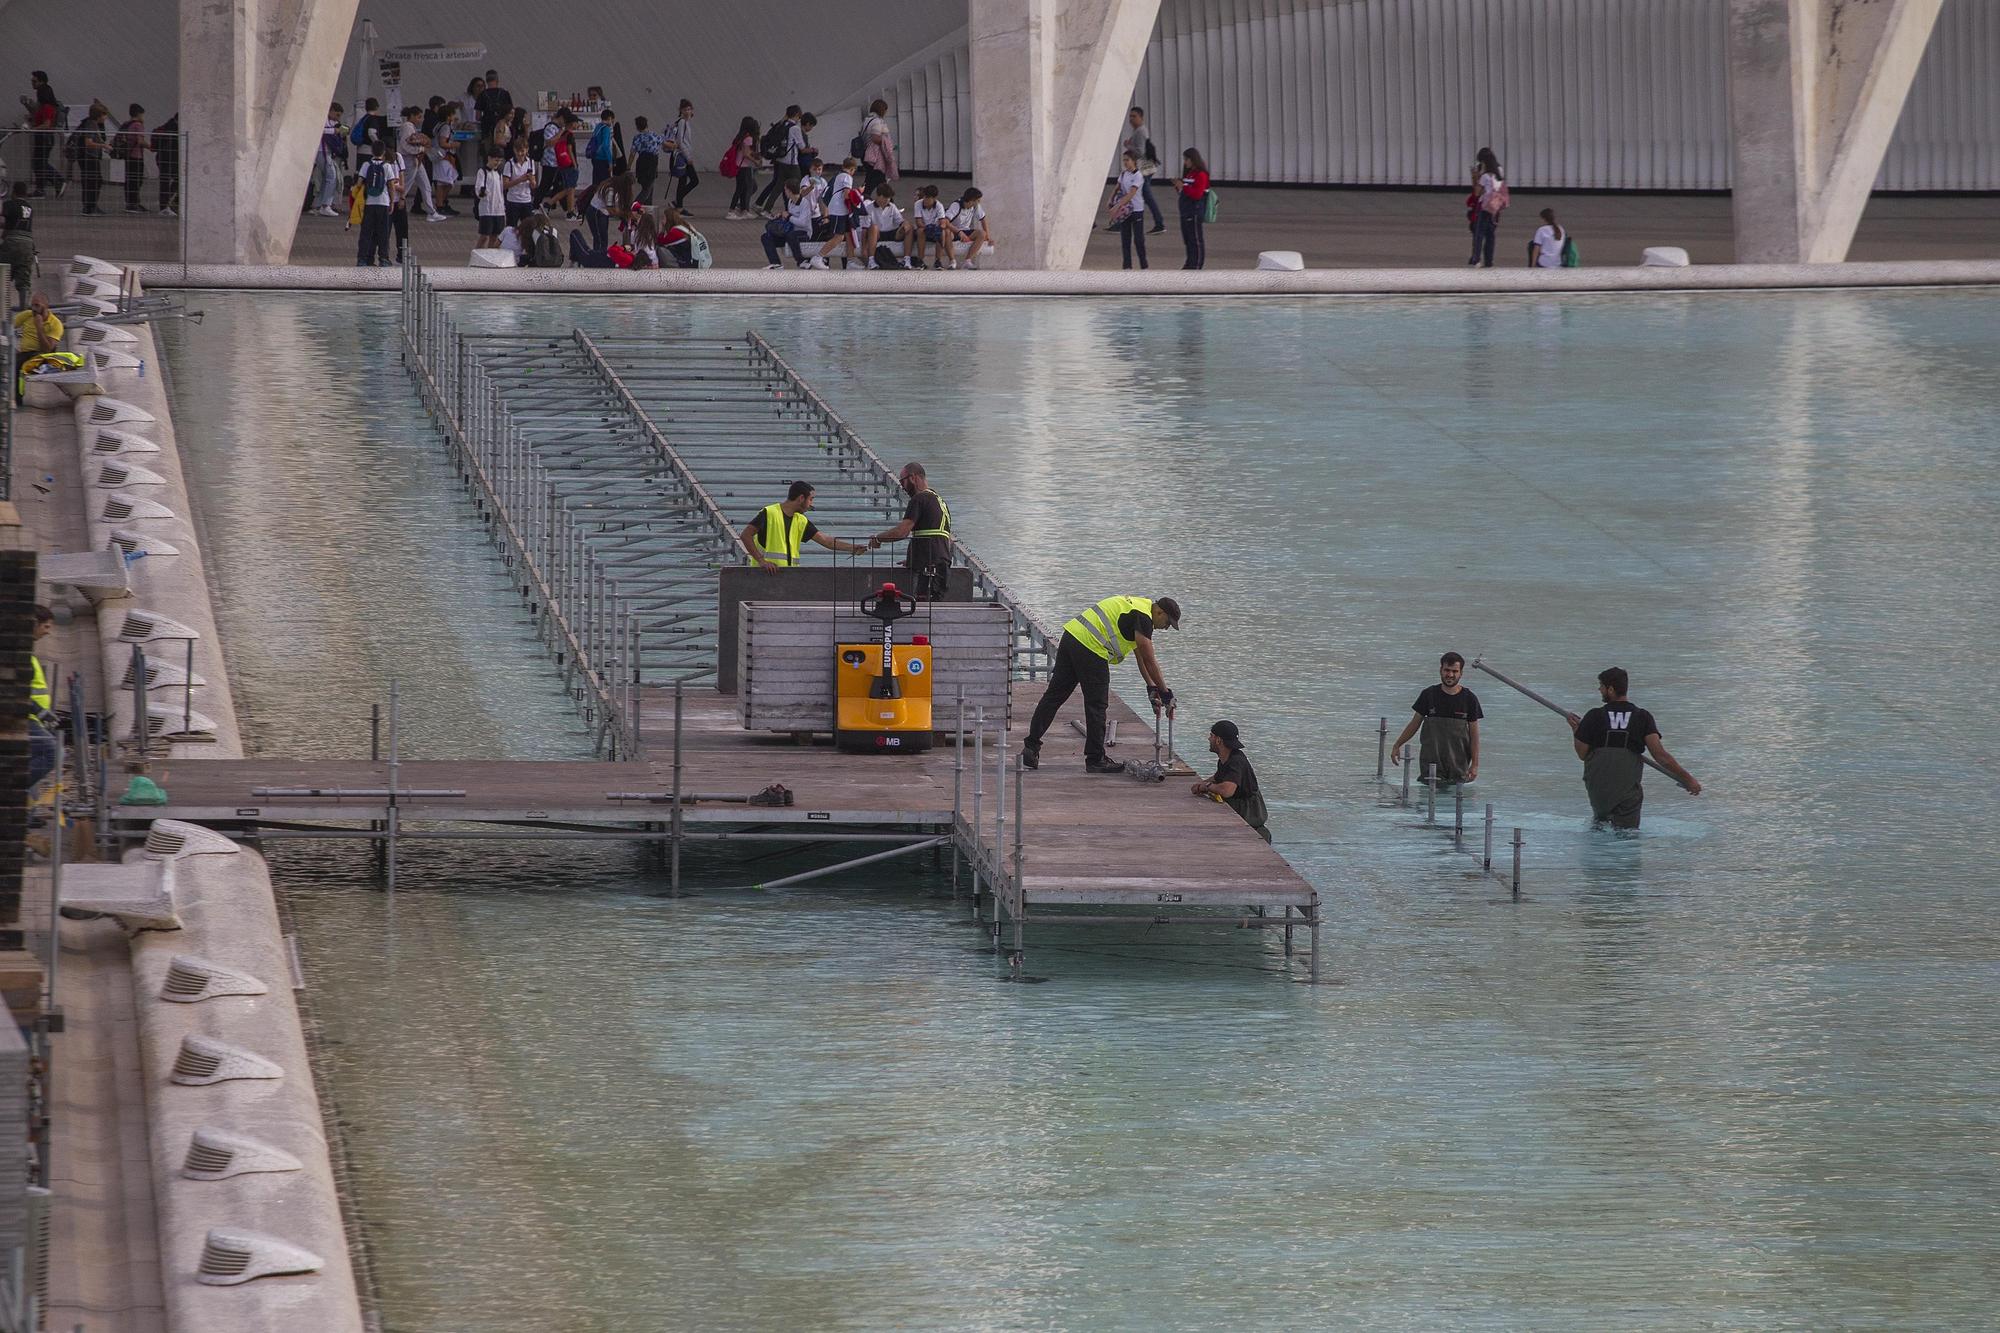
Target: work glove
(1161, 699)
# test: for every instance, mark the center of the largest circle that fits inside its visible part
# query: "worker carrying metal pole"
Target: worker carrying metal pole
(1235, 782)
(773, 538)
(927, 524)
(1611, 739)
(1095, 640)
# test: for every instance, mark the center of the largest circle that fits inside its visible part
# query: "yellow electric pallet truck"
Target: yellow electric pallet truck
(882, 691)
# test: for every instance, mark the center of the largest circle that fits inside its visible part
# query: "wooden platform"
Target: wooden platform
(1088, 839)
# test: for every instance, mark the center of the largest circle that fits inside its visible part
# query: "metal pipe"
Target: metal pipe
(375, 733)
(674, 847)
(142, 709)
(1486, 858)
(1558, 710)
(187, 693)
(395, 768)
(1430, 796)
(1382, 750)
(978, 797)
(1406, 775)
(957, 785)
(859, 861)
(1517, 863)
(1020, 882)
(1458, 816)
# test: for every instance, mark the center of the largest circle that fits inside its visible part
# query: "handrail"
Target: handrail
(658, 439)
(1040, 641)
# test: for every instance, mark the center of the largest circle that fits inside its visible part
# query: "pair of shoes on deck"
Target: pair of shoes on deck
(1031, 757)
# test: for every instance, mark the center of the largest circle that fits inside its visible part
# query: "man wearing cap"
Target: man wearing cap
(1235, 782)
(1095, 640)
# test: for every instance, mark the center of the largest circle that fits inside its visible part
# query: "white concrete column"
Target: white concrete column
(1051, 82)
(256, 77)
(1815, 89)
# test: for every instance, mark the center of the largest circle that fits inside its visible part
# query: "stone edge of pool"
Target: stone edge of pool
(228, 911)
(988, 282)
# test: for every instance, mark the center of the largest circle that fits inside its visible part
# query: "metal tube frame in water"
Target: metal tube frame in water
(1406, 774)
(1382, 751)
(957, 785)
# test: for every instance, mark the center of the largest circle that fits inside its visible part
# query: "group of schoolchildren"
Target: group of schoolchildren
(837, 216)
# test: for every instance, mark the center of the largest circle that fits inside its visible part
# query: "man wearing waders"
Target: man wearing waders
(1235, 782)
(1449, 714)
(1610, 739)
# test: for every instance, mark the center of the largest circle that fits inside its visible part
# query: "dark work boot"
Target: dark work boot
(1105, 766)
(1031, 756)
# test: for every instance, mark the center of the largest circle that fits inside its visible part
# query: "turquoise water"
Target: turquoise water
(1737, 1072)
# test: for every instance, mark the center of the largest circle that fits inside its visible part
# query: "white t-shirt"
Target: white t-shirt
(966, 217)
(801, 211)
(1487, 185)
(816, 186)
(487, 185)
(391, 173)
(522, 191)
(1550, 242)
(837, 206)
(510, 240)
(795, 139)
(928, 212)
(1133, 181)
(885, 218)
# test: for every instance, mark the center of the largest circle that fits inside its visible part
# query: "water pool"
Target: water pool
(1739, 1071)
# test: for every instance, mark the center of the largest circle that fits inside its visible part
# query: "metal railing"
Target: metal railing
(7, 407)
(1034, 646)
(156, 232)
(1430, 799)
(593, 626)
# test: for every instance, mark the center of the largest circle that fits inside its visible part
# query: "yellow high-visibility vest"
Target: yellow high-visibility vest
(41, 703)
(944, 520)
(1096, 628)
(781, 540)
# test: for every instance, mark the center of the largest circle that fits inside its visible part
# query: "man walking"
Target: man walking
(1235, 782)
(1449, 715)
(774, 537)
(927, 523)
(681, 164)
(1609, 739)
(1139, 143)
(17, 240)
(1094, 641)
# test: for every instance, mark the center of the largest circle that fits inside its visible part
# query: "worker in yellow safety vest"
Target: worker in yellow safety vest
(41, 708)
(927, 523)
(774, 537)
(1095, 640)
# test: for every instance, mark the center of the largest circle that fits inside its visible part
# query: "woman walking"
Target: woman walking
(1194, 204)
(742, 155)
(1491, 182)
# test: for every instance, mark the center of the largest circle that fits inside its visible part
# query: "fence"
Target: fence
(84, 205)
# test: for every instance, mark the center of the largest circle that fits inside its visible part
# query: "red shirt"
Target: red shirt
(1195, 184)
(45, 116)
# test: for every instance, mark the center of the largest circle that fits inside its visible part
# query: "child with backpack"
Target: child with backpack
(1491, 183)
(881, 218)
(489, 192)
(559, 174)
(1551, 246)
(927, 227)
(801, 208)
(782, 144)
(740, 164)
(843, 204)
(646, 146)
(606, 145)
(965, 221)
(381, 188)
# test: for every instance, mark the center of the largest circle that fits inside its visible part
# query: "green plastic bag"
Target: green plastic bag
(1211, 208)
(1571, 257)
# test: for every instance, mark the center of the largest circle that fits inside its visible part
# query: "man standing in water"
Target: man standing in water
(1610, 739)
(1235, 782)
(1449, 714)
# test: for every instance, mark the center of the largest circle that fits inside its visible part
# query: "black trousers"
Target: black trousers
(374, 242)
(1191, 233)
(688, 180)
(1076, 665)
(90, 172)
(1132, 232)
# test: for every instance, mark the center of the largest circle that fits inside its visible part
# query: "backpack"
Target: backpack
(600, 144)
(1498, 200)
(1211, 206)
(359, 134)
(544, 251)
(857, 147)
(698, 255)
(1570, 257)
(372, 176)
(774, 140)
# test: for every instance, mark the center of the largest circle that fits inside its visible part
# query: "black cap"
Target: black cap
(1173, 610)
(1226, 730)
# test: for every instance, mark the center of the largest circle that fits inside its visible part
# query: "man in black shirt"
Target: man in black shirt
(17, 240)
(927, 523)
(1235, 782)
(1449, 715)
(774, 536)
(1610, 739)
